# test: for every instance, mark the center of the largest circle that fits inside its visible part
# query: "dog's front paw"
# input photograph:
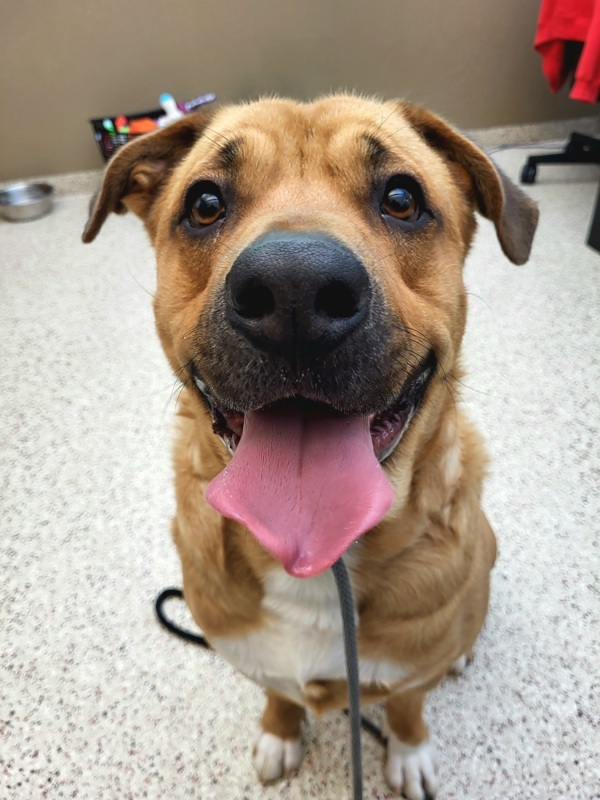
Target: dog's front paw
(409, 770)
(459, 666)
(274, 757)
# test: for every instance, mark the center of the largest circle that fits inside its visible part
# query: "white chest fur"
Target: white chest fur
(301, 640)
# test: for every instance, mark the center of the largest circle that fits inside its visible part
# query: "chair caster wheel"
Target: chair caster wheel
(528, 173)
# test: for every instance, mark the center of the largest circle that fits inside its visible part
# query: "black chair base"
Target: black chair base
(580, 149)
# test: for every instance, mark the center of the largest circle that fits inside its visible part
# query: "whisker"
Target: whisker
(221, 136)
(148, 292)
(178, 375)
(183, 386)
(212, 130)
(187, 335)
(384, 120)
(470, 388)
(172, 394)
(485, 303)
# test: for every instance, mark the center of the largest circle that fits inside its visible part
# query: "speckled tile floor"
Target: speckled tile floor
(97, 701)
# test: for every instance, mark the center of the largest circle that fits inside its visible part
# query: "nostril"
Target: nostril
(337, 300)
(254, 301)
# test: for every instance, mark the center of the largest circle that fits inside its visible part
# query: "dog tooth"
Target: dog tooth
(228, 444)
(201, 385)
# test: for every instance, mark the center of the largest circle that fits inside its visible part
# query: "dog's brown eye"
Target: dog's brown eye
(399, 203)
(206, 207)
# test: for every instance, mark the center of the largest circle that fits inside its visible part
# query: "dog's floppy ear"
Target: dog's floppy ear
(514, 215)
(135, 175)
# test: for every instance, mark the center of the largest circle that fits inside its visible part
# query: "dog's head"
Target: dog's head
(310, 261)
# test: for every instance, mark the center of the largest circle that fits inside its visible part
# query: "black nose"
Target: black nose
(297, 295)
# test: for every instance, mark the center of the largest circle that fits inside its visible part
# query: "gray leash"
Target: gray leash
(347, 605)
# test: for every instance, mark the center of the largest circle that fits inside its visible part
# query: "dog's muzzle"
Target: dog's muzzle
(299, 374)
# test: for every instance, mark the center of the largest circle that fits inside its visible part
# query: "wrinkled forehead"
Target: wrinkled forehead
(341, 139)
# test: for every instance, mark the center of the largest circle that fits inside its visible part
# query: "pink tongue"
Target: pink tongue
(305, 486)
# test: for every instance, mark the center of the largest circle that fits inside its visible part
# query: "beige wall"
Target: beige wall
(63, 61)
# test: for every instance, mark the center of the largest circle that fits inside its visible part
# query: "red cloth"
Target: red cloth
(570, 20)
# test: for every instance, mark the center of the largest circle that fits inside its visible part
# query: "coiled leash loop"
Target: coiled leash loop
(170, 626)
(347, 607)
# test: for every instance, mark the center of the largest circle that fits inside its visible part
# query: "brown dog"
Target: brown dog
(310, 297)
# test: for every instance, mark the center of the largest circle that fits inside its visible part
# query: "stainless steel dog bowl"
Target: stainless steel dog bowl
(24, 201)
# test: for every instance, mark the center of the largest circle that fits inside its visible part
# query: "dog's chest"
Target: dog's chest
(302, 639)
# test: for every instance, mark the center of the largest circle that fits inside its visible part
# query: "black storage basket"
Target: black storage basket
(109, 143)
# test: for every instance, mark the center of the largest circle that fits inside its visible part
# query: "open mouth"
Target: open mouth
(387, 427)
(305, 479)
